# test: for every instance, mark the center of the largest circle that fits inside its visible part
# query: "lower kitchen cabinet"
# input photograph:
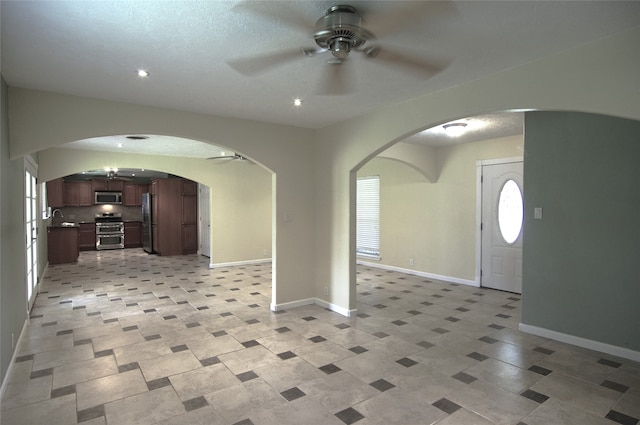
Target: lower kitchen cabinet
(132, 234)
(62, 244)
(87, 237)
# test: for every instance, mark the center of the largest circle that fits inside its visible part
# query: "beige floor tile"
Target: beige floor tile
(22, 393)
(145, 409)
(61, 410)
(558, 412)
(83, 371)
(168, 365)
(194, 383)
(109, 388)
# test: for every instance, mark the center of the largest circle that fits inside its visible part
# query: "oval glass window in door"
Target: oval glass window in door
(510, 211)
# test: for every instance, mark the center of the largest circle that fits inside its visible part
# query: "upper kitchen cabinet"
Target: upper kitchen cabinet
(132, 194)
(78, 194)
(108, 185)
(55, 191)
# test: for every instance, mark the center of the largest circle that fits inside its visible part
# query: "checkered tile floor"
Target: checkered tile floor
(123, 337)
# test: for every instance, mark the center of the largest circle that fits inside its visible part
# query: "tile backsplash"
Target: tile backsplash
(87, 214)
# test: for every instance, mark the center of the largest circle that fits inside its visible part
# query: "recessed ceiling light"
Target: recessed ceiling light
(143, 73)
(297, 102)
(120, 145)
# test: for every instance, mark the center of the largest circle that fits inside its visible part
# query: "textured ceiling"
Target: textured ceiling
(93, 48)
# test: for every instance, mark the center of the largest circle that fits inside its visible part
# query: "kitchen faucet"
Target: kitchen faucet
(54, 213)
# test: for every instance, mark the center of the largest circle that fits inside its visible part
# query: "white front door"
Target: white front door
(31, 231)
(502, 218)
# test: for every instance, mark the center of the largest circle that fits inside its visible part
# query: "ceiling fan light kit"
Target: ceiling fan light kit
(455, 129)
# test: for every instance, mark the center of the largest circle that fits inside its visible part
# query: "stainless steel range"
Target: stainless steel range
(109, 231)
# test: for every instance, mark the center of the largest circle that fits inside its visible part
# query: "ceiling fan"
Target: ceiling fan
(340, 32)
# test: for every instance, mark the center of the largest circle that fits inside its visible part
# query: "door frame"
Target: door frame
(32, 167)
(479, 165)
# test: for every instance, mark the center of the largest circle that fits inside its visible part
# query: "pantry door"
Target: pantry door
(502, 219)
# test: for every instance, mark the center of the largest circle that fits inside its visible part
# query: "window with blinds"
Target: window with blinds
(368, 216)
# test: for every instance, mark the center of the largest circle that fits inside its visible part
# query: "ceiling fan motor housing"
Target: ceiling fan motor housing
(341, 30)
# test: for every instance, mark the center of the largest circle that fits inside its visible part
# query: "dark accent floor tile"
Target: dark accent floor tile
(90, 413)
(247, 376)
(287, 355)
(621, 418)
(349, 415)
(342, 326)
(464, 377)
(380, 335)
(382, 385)
(49, 324)
(540, 370)
(292, 394)
(244, 422)
(24, 358)
(169, 317)
(380, 306)
(534, 395)
(219, 333)
(195, 403)
(394, 298)
(253, 305)
(65, 332)
(330, 368)
(130, 328)
(363, 315)
(452, 319)
(414, 312)
(250, 343)
(503, 316)
(226, 314)
(477, 356)
(615, 386)
(358, 349)
(446, 405)
(40, 373)
(202, 308)
(543, 350)
(440, 330)
(488, 340)
(150, 310)
(192, 325)
(497, 327)
(158, 383)
(406, 362)
(610, 363)
(209, 361)
(127, 367)
(426, 303)
(283, 330)
(399, 322)
(59, 392)
(152, 337)
(252, 321)
(462, 309)
(179, 348)
(425, 344)
(113, 320)
(317, 339)
(309, 318)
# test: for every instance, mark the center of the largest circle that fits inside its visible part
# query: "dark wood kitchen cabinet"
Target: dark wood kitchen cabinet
(132, 194)
(108, 185)
(132, 234)
(87, 237)
(78, 194)
(174, 216)
(55, 193)
(62, 244)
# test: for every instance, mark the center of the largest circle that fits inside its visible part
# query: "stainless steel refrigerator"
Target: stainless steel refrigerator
(147, 234)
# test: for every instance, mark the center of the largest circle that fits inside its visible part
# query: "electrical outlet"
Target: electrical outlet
(264, 253)
(411, 261)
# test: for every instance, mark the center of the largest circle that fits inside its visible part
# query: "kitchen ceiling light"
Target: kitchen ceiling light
(297, 102)
(455, 128)
(143, 73)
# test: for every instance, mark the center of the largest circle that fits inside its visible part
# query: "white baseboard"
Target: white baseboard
(614, 350)
(240, 263)
(5, 380)
(449, 279)
(311, 301)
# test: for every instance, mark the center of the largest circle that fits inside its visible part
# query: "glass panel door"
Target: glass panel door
(31, 231)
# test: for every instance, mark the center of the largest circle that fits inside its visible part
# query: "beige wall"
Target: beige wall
(434, 223)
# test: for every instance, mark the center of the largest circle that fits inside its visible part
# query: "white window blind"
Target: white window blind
(368, 216)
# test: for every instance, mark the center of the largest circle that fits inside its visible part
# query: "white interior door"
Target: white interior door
(31, 231)
(204, 213)
(502, 218)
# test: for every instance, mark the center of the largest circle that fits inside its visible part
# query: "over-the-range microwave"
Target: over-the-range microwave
(108, 197)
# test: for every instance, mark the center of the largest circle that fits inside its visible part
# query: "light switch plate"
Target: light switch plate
(537, 213)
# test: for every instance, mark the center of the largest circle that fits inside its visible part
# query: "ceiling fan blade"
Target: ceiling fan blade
(337, 79)
(261, 63)
(422, 67)
(278, 12)
(402, 14)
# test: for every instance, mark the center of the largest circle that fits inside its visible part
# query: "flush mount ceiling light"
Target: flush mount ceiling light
(297, 102)
(455, 128)
(142, 73)
(137, 137)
